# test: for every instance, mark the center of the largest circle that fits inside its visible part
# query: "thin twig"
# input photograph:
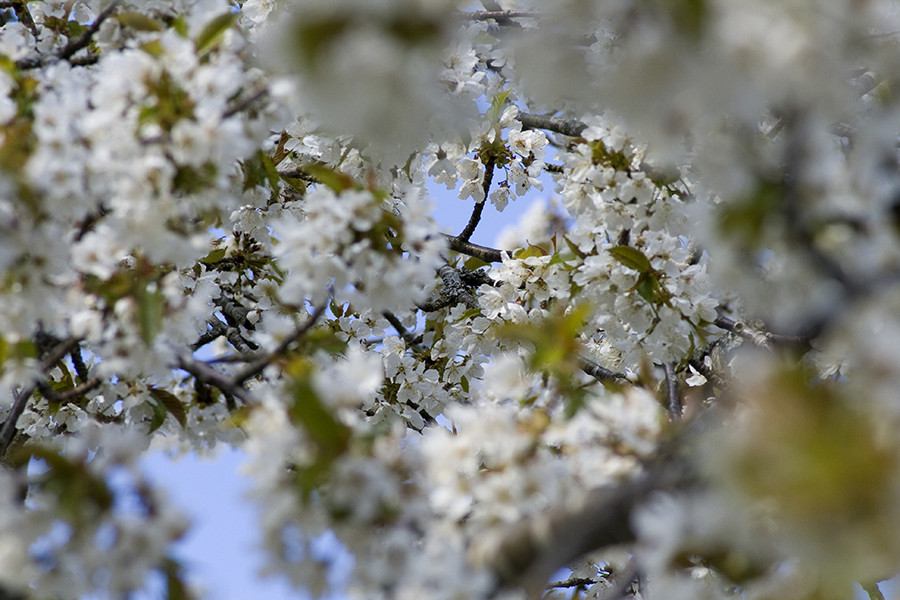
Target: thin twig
(411, 340)
(85, 38)
(741, 329)
(82, 41)
(601, 374)
(52, 395)
(501, 15)
(21, 397)
(244, 103)
(570, 583)
(216, 329)
(8, 432)
(78, 362)
(623, 581)
(24, 16)
(479, 206)
(467, 232)
(210, 376)
(260, 363)
(672, 395)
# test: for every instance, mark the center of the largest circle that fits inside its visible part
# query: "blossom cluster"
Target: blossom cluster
(217, 226)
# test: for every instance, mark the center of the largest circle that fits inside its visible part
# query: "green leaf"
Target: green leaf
(530, 251)
(497, 104)
(689, 16)
(296, 183)
(464, 384)
(745, 221)
(214, 256)
(474, 263)
(469, 313)
(66, 382)
(645, 289)
(175, 586)
(312, 37)
(159, 415)
(574, 247)
(180, 26)
(138, 21)
(631, 258)
(20, 349)
(75, 29)
(259, 170)
(322, 338)
(154, 48)
(329, 436)
(18, 141)
(166, 103)
(334, 179)
(413, 30)
(171, 403)
(151, 303)
(214, 31)
(80, 493)
(651, 289)
(194, 179)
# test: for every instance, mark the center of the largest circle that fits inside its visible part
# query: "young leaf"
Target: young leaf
(171, 403)
(214, 256)
(530, 251)
(213, 32)
(474, 263)
(151, 303)
(631, 258)
(138, 21)
(497, 104)
(336, 180)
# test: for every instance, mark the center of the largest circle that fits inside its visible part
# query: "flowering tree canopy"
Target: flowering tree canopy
(676, 379)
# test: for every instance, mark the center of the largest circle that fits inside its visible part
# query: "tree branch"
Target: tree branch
(672, 395)
(257, 365)
(501, 15)
(756, 337)
(82, 41)
(244, 103)
(468, 248)
(24, 16)
(216, 328)
(435, 304)
(534, 548)
(411, 340)
(569, 127)
(601, 374)
(479, 206)
(454, 288)
(573, 582)
(209, 376)
(574, 128)
(21, 397)
(50, 394)
(622, 581)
